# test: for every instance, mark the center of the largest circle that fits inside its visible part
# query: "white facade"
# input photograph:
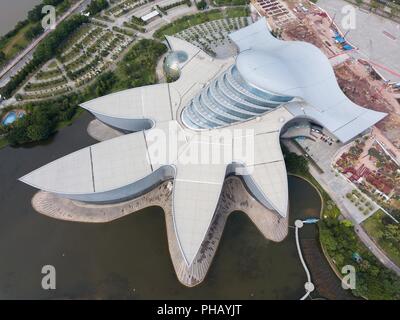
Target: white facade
(296, 77)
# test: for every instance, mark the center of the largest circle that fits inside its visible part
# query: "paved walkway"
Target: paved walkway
(309, 286)
(374, 248)
(323, 154)
(332, 190)
(363, 236)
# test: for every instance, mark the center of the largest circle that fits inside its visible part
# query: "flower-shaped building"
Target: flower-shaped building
(234, 107)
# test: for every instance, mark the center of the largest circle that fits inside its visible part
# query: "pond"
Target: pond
(129, 258)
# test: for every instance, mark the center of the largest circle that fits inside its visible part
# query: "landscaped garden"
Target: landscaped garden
(360, 201)
(386, 233)
(25, 31)
(341, 243)
(213, 35)
(199, 18)
(82, 57)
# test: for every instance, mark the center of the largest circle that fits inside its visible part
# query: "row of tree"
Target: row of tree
(41, 121)
(373, 281)
(45, 51)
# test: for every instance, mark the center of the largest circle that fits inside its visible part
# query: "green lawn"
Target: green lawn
(338, 238)
(230, 2)
(15, 44)
(375, 228)
(45, 75)
(195, 19)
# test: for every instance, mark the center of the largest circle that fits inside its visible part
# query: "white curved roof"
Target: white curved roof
(160, 102)
(104, 166)
(301, 70)
(286, 68)
(148, 102)
(122, 161)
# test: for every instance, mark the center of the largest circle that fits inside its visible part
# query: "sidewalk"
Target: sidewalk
(363, 236)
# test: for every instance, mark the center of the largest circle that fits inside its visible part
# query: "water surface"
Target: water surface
(129, 258)
(13, 11)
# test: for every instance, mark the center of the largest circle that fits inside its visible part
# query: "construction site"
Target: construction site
(359, 80)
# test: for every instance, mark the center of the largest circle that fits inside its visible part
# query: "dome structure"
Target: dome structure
(173, 63)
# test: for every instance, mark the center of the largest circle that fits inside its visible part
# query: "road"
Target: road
(17, 63)
(363, 236)
(150, 28)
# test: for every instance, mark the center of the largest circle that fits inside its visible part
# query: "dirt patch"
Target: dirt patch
(358, 81)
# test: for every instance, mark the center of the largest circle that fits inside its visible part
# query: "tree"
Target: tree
(45, 51)
(295, 163)
(17, 133)
(2, 57)
(37, 132)
(392, 234)
(328, 240)
(96, 6)
(34, 31)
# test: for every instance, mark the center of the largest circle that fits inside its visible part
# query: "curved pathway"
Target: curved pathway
(19, 62)
(362, 235)
(309, 286)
